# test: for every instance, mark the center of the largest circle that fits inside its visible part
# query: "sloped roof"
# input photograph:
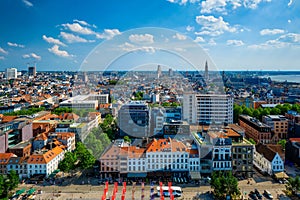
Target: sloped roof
(268, 153)
(4, 157)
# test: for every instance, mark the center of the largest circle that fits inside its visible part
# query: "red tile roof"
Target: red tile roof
(4, 157)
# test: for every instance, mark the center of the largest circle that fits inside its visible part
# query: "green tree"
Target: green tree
(68, 163)
(275, 111)
(127, 139)
(237, 111)
(2, 186)
(293, 185)
(282, 143)
(13, 178)
(60, 110)
(85, 157)
(224, 183)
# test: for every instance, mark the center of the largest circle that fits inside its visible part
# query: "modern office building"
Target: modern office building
(32, 71)
(134, 119)
(207, 108)
(11, 73)
(91, 101)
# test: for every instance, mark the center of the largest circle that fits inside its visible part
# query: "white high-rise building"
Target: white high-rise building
(207, 108)
(11, 73)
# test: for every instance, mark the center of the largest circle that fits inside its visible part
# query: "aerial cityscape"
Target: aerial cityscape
(166, 99)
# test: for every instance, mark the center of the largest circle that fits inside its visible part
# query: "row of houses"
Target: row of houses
(196, 155)
(48, 151)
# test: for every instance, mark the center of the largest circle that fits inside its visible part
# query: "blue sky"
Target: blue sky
(236, 34)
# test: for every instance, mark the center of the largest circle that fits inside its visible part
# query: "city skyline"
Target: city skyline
(236, 34)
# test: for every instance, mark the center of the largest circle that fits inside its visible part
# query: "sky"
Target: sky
(66, 35)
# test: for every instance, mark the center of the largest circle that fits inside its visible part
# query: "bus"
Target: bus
(176, 190)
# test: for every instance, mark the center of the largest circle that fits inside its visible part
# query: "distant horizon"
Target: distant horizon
(239, 35)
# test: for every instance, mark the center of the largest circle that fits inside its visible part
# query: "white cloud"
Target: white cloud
(212, 42)
(52, 40)
(71, 38)
(213, 26)
(84, 23)
(209, 6)
(271, 31)
(32, 55)
(15, 45)
(2, 58)
(77, 28)
(141, 39)
(130, 47)
(290, 3)
(199, 39)
(179, 36)
(286, 40)
(289, 21)
(108, 34)
(253, 4)
(182, 2)
(190, 28)
(55, 50)
(235, 42)
(3, 51)
(27, 3)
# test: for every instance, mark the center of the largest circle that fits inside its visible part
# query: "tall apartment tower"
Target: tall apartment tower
(207, 108)
(133, 119)
(32, 71)
(11, 73)
(206, 77)
(158, 71)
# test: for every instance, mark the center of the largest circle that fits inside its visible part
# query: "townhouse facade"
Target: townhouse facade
(267, 160)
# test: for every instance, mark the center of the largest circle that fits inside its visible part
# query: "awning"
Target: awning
(195, 175)
(19, 192)
(31, 191)
(141, 175)
(279, 175)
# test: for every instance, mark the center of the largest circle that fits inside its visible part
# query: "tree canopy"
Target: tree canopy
(280, 109)
(293, 186)
(224, 184)
(8, 183)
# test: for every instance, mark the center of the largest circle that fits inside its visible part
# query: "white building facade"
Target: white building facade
(207, 108)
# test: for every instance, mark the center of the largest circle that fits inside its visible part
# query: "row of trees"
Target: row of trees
(81, 158)
(280, 109)
(224, 184)
(79, 112)
(7, 183)
(29, 111)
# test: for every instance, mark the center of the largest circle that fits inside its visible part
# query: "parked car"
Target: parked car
(268, 194)
(259, 196)
(252, 196)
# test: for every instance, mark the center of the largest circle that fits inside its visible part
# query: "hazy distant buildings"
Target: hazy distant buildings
(207, 108)
(206, 76)
(159, 72)
(11, 73)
